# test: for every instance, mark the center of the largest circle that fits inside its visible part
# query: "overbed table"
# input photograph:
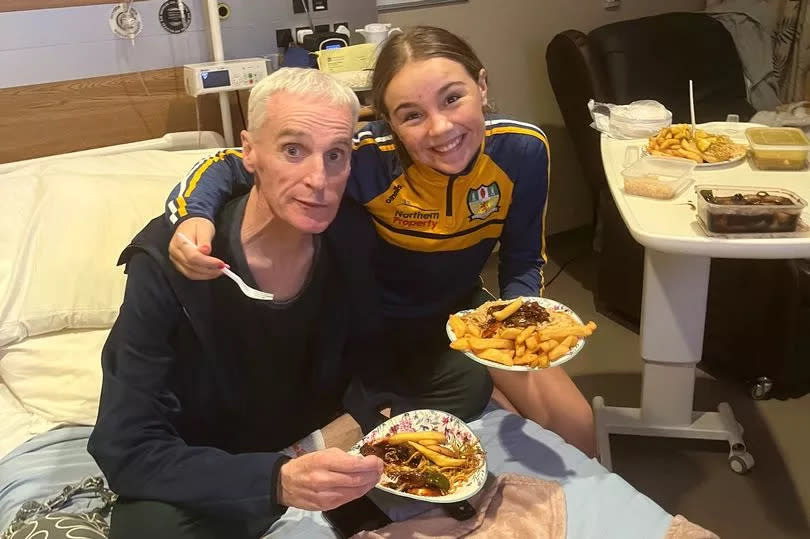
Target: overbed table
(673, 313)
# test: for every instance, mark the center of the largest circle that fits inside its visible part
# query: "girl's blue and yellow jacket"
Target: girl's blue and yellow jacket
(437, 231)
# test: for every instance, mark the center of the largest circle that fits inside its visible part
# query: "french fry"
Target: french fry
(482, 344)
(436, 457)
(532, 343)
(558, 352)
(562, 333)
(462, 344)
(520, 349)
(543, 361)
(443, 450)
(526, 359)
(473, 330)
(524, 335)
(498, 356)
(690, 147)
(591, 325)
(508, 311)
(569, 341)
(509, 333)
(402, 437)
(698, 158)
(458, 326)
(670, 142)
(548, 346)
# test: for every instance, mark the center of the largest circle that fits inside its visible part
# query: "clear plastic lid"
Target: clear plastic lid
(797, 203)
(667, 169)
(658, 177)
(777, 138)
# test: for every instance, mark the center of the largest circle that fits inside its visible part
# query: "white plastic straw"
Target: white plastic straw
(692, 105)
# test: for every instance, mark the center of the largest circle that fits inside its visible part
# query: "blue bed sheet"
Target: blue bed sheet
(599, 504)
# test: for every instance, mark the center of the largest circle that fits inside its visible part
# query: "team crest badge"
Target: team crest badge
(483, 201)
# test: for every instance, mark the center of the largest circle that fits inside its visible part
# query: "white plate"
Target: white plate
(426, 420)
(722, 164)
(734, 130)
(546, 303)
(704, 166)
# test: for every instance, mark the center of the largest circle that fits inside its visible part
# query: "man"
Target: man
(204, 386)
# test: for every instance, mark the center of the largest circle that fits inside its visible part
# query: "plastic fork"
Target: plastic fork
(247, 290)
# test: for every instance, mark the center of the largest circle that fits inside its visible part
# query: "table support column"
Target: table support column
(673, 315)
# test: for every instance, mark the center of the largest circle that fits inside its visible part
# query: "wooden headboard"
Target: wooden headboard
(66, 116)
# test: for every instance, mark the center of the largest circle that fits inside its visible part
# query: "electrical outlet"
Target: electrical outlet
(298, 6)
(295, 34)
(321, 28)
(336, 25)
(320, 5)
(284, 38)
(611, 4)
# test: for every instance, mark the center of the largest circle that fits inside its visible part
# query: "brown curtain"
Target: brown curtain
(792, 51)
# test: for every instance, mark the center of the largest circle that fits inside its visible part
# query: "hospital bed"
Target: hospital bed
(63, 223)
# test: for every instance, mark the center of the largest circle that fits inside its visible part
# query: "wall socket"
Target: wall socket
(298, 6)
(611, 4)
(320, 5)
(284, 38)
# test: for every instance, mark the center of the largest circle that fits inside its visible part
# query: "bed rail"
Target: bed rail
(186, 140)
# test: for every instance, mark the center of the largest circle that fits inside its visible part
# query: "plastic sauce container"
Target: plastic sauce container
(658, 177)
(778, 148)
(748, 210)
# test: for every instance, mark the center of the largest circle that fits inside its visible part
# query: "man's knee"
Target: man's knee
(139, 519)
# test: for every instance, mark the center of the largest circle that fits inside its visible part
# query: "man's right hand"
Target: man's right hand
(326, 479)
(191, 259)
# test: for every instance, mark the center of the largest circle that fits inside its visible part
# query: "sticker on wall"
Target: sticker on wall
(125, 23)
(175, 16)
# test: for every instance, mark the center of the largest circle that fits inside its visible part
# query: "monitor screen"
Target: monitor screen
(215, 79)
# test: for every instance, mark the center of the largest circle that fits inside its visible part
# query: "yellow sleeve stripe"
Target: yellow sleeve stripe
(369, 141)
(195, 176)
(517, 130)
(543, 254)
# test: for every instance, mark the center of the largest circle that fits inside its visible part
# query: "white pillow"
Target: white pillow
(57, 376)
(18, 424)
(63, 224)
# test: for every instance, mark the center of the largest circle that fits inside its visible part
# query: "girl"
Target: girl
(443, 182)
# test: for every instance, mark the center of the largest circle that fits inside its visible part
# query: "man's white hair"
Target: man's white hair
(301, 81)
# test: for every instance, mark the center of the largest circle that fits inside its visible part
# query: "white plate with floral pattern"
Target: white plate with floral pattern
(431, 420)
(548, 304)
